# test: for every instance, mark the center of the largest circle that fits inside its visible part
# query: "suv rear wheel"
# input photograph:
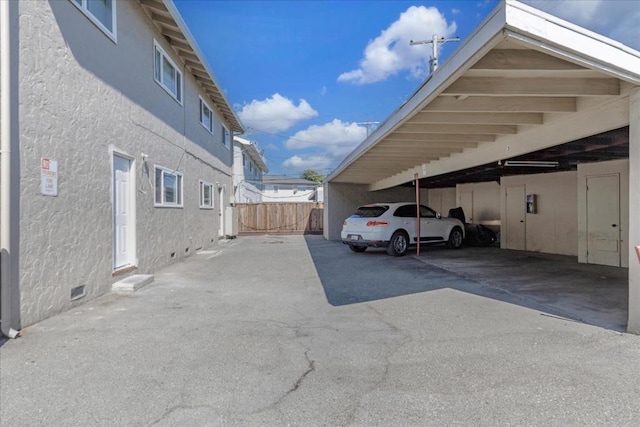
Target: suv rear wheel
(398, 244)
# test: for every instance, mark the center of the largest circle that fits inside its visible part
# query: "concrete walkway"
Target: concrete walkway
(294, 330)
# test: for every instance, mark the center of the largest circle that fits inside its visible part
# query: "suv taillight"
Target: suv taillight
(377, 223)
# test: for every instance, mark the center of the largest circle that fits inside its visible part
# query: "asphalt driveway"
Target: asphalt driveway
(293, 330)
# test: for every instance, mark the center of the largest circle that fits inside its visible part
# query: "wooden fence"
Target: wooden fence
(279, 218)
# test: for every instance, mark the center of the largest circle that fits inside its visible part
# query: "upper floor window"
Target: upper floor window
(101, 12)
(168, 188)
(166, 73)
(206, 116)
(244, 159)
(225, 136)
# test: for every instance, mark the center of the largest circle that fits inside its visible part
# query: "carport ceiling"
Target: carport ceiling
(611, 145)
(524, 86)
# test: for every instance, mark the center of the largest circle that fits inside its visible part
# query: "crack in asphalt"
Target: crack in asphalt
(310, 368)
(174, 408)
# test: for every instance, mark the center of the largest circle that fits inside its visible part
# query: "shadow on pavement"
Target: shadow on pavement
(555, 285)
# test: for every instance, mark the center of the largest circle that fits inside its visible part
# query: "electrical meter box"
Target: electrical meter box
(532, 203)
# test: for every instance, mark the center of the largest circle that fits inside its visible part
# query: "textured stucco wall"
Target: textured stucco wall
(554, 228)
(83, 95)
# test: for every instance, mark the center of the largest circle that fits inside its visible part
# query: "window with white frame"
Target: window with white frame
(206, 195)
(168, 188)
(166, 73)
(101, 12)
(206, 116)
(225, 136)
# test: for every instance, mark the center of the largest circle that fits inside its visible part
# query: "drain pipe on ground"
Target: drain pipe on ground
(9, 149)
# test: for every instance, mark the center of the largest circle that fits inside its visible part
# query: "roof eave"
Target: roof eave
(225, 109)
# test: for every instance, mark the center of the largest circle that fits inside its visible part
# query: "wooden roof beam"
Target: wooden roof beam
(520, 59)
(165, 21)
(512, 104)
(469, 86)
(156, 5)
(435, 137)
(458, 129)
(395, 145)
(177, 36)
(479, 118)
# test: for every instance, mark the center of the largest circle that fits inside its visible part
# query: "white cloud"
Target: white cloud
(617, 19)
(390, 53)
(299, 164)
(330, 143)
(336, 138)
(275, 114)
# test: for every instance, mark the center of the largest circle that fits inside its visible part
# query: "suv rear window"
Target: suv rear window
(370, 211)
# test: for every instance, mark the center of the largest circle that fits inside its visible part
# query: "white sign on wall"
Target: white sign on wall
(49, 177)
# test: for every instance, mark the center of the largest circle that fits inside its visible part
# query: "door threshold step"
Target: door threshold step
(132, 283)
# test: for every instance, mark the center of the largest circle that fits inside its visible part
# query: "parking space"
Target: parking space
(554, 284)
(300, 331)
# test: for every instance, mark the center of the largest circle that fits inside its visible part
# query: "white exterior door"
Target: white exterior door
(603, 220)
(123, 205)
(221, 207)
(515, 215)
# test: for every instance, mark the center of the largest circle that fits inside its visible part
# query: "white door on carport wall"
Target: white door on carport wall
(603, 219)
(515, 218)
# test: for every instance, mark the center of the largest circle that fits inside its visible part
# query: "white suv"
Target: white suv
(393, 225)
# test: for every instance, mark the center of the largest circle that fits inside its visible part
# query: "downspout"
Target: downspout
(9, 148)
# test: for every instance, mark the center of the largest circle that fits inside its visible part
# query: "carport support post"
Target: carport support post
(633, 325)
(417, 212)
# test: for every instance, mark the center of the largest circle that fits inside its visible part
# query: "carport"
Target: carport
(526, 93)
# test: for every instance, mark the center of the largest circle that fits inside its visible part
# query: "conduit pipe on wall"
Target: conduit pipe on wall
(9, 140)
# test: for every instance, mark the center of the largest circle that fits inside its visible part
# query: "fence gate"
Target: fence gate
(279, 218)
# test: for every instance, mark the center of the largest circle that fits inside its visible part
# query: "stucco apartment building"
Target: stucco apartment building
(248, 168)
(116, 150)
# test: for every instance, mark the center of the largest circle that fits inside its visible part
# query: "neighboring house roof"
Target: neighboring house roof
(251, 149)
(523, 82)
(287, 180)
(169, 22)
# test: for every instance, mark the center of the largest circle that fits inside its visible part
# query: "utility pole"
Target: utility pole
(433, 63)
(368, 125)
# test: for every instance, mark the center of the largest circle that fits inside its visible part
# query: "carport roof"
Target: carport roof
(523, 82)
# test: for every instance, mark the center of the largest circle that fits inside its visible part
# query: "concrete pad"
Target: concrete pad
(278, 330)
(132, 283)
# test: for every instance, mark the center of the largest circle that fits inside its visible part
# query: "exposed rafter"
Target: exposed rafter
(168, 23)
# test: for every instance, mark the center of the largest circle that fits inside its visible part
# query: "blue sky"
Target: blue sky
(303, 76)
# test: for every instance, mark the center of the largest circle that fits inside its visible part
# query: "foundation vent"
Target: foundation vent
(77, 292)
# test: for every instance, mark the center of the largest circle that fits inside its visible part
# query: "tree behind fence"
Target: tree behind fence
(280, 218)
